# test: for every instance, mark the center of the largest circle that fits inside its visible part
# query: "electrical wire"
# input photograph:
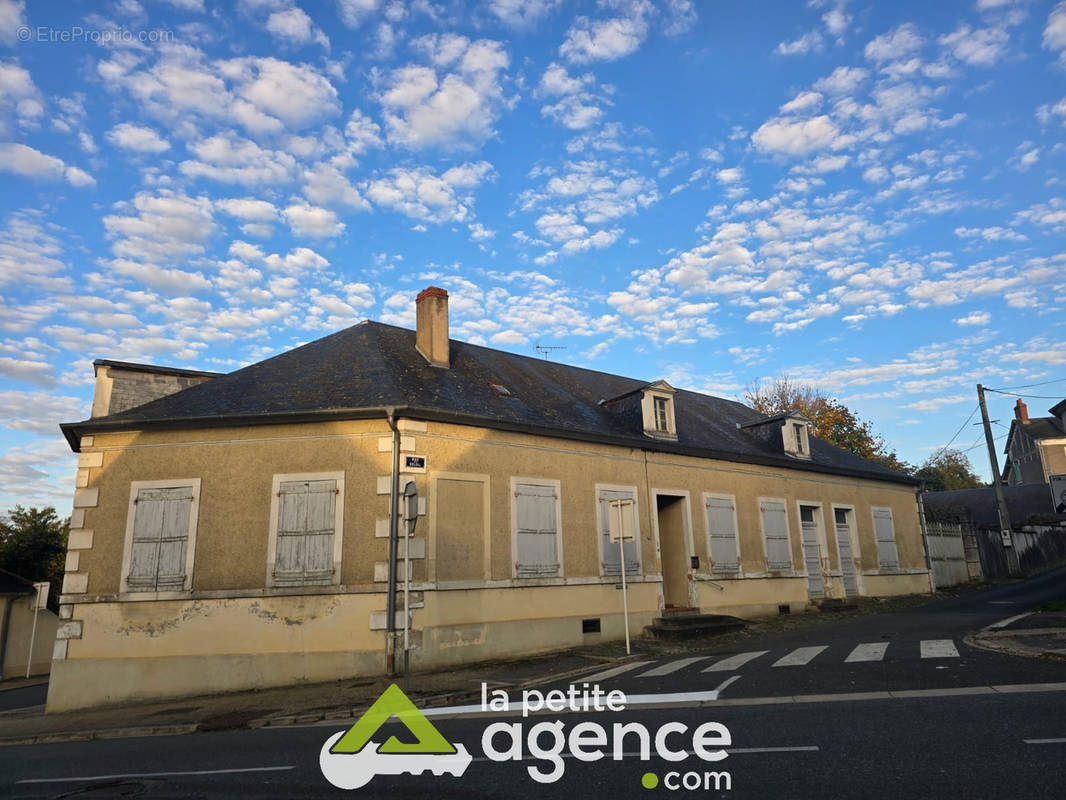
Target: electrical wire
(956, 436)
(1028, 385)
(1037, 396)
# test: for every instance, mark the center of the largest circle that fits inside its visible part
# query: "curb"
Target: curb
(100, 733)
(1001, 643)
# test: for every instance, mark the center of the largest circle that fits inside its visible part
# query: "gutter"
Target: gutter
(925, 537)
(8, 601)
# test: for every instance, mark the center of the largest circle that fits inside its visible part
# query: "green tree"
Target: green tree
(33, 545)
(947, 470)
(831, 420)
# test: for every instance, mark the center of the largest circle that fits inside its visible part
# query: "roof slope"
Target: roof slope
(358, 371)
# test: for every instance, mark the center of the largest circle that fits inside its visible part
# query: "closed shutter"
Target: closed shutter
(885, 534)
(775, 531)
(306, 524)
(536, 555)
(160, 538)
(609, 548)
(721, 524)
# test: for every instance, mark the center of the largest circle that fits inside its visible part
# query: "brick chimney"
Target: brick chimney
(1021, 412)
(431, 326)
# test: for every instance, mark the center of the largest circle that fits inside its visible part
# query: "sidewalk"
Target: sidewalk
(1036, 633)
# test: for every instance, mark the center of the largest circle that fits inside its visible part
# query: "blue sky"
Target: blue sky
(866, 196)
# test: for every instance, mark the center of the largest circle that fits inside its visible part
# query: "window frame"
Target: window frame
(556, 484)
(611, 487)
(732, 498)
(190, 541)
(338, 527)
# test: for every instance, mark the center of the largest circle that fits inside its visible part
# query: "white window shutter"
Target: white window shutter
(160, 536)
(609, 548)
(885, 534)
(535, 507)
(720, 522)
(775, 529)
(306, 525)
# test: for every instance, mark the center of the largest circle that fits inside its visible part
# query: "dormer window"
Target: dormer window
(795, 438)
(657, 410)
(662, 414)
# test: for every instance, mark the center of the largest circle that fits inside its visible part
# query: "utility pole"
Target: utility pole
(1013, 565)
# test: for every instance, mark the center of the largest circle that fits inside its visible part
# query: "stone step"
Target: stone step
(692, 626)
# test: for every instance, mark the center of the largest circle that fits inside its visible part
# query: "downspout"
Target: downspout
(925, 538)
(3, 633)
(394, 534)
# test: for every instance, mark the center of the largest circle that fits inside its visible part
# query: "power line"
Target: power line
(1028, 385)
(1037, 396)
(956, 436)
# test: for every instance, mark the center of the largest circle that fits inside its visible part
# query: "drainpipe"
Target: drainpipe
(925, 538)
(394, 534)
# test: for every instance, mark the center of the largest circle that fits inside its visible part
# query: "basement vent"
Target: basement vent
(590, 625)
(501, 390)
(784, 609)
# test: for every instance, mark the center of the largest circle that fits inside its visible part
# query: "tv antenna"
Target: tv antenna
(547, 349)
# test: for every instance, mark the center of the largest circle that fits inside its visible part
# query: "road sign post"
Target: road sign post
(620, 524)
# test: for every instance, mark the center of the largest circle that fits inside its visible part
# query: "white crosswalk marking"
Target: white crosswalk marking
(799, 657)
(735, 662)
(610, 673)
(873, 651)
(670, 666)
(939, 648)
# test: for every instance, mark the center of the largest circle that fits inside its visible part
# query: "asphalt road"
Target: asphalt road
(941, 744)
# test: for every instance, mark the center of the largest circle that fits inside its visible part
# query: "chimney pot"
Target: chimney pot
(1021, 411)
(431, 326)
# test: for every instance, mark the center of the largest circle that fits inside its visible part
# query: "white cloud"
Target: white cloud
(420, 194)
(795, 137)
(314, 221)
(249, 209)
(730, 175)
(19, 97)
(1055, 31)
(24, 160)
(808, 42)
(843, 80)
(12, 17)
(980, 318)
(137, 137)
(604, 39)
(803, 101)
(327, 185)
(39, 412)
(895, 45)
(354, 12)
(165, 227)
(293, 25)
(522, 13)
(29, 254)
(457, 108)
(230, 159)
(982, 47)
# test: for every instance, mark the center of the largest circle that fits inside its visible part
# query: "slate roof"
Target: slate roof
(358, 372)
(10, 583)
(1036, 428)
(979, 505)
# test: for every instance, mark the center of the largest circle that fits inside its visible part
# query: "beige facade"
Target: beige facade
(17, 635)
(228, 624)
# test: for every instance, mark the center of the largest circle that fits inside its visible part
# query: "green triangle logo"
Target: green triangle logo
(393, 703)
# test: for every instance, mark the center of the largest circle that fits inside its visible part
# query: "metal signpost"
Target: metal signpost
(40, 600)
(410, 519)
(620, 519)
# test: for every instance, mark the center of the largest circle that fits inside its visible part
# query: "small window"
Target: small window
(306, 514)
(590, 625)
(160, 536)
(501, 390)
(536, 529)
(885, 534)
(662, 414)
(797, 430)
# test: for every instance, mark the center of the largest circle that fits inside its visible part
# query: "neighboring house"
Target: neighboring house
(1036, 447)
(16, 629)
(234, 534)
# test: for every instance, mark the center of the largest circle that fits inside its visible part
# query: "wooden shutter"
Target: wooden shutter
(775, 531)
(721, 524)
(885, 534)
(160, 538)
(306, 524)
(536, 555)
(609, 548)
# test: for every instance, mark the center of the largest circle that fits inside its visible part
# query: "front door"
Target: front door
(812, 552)
(847, 561)
(673, 549)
